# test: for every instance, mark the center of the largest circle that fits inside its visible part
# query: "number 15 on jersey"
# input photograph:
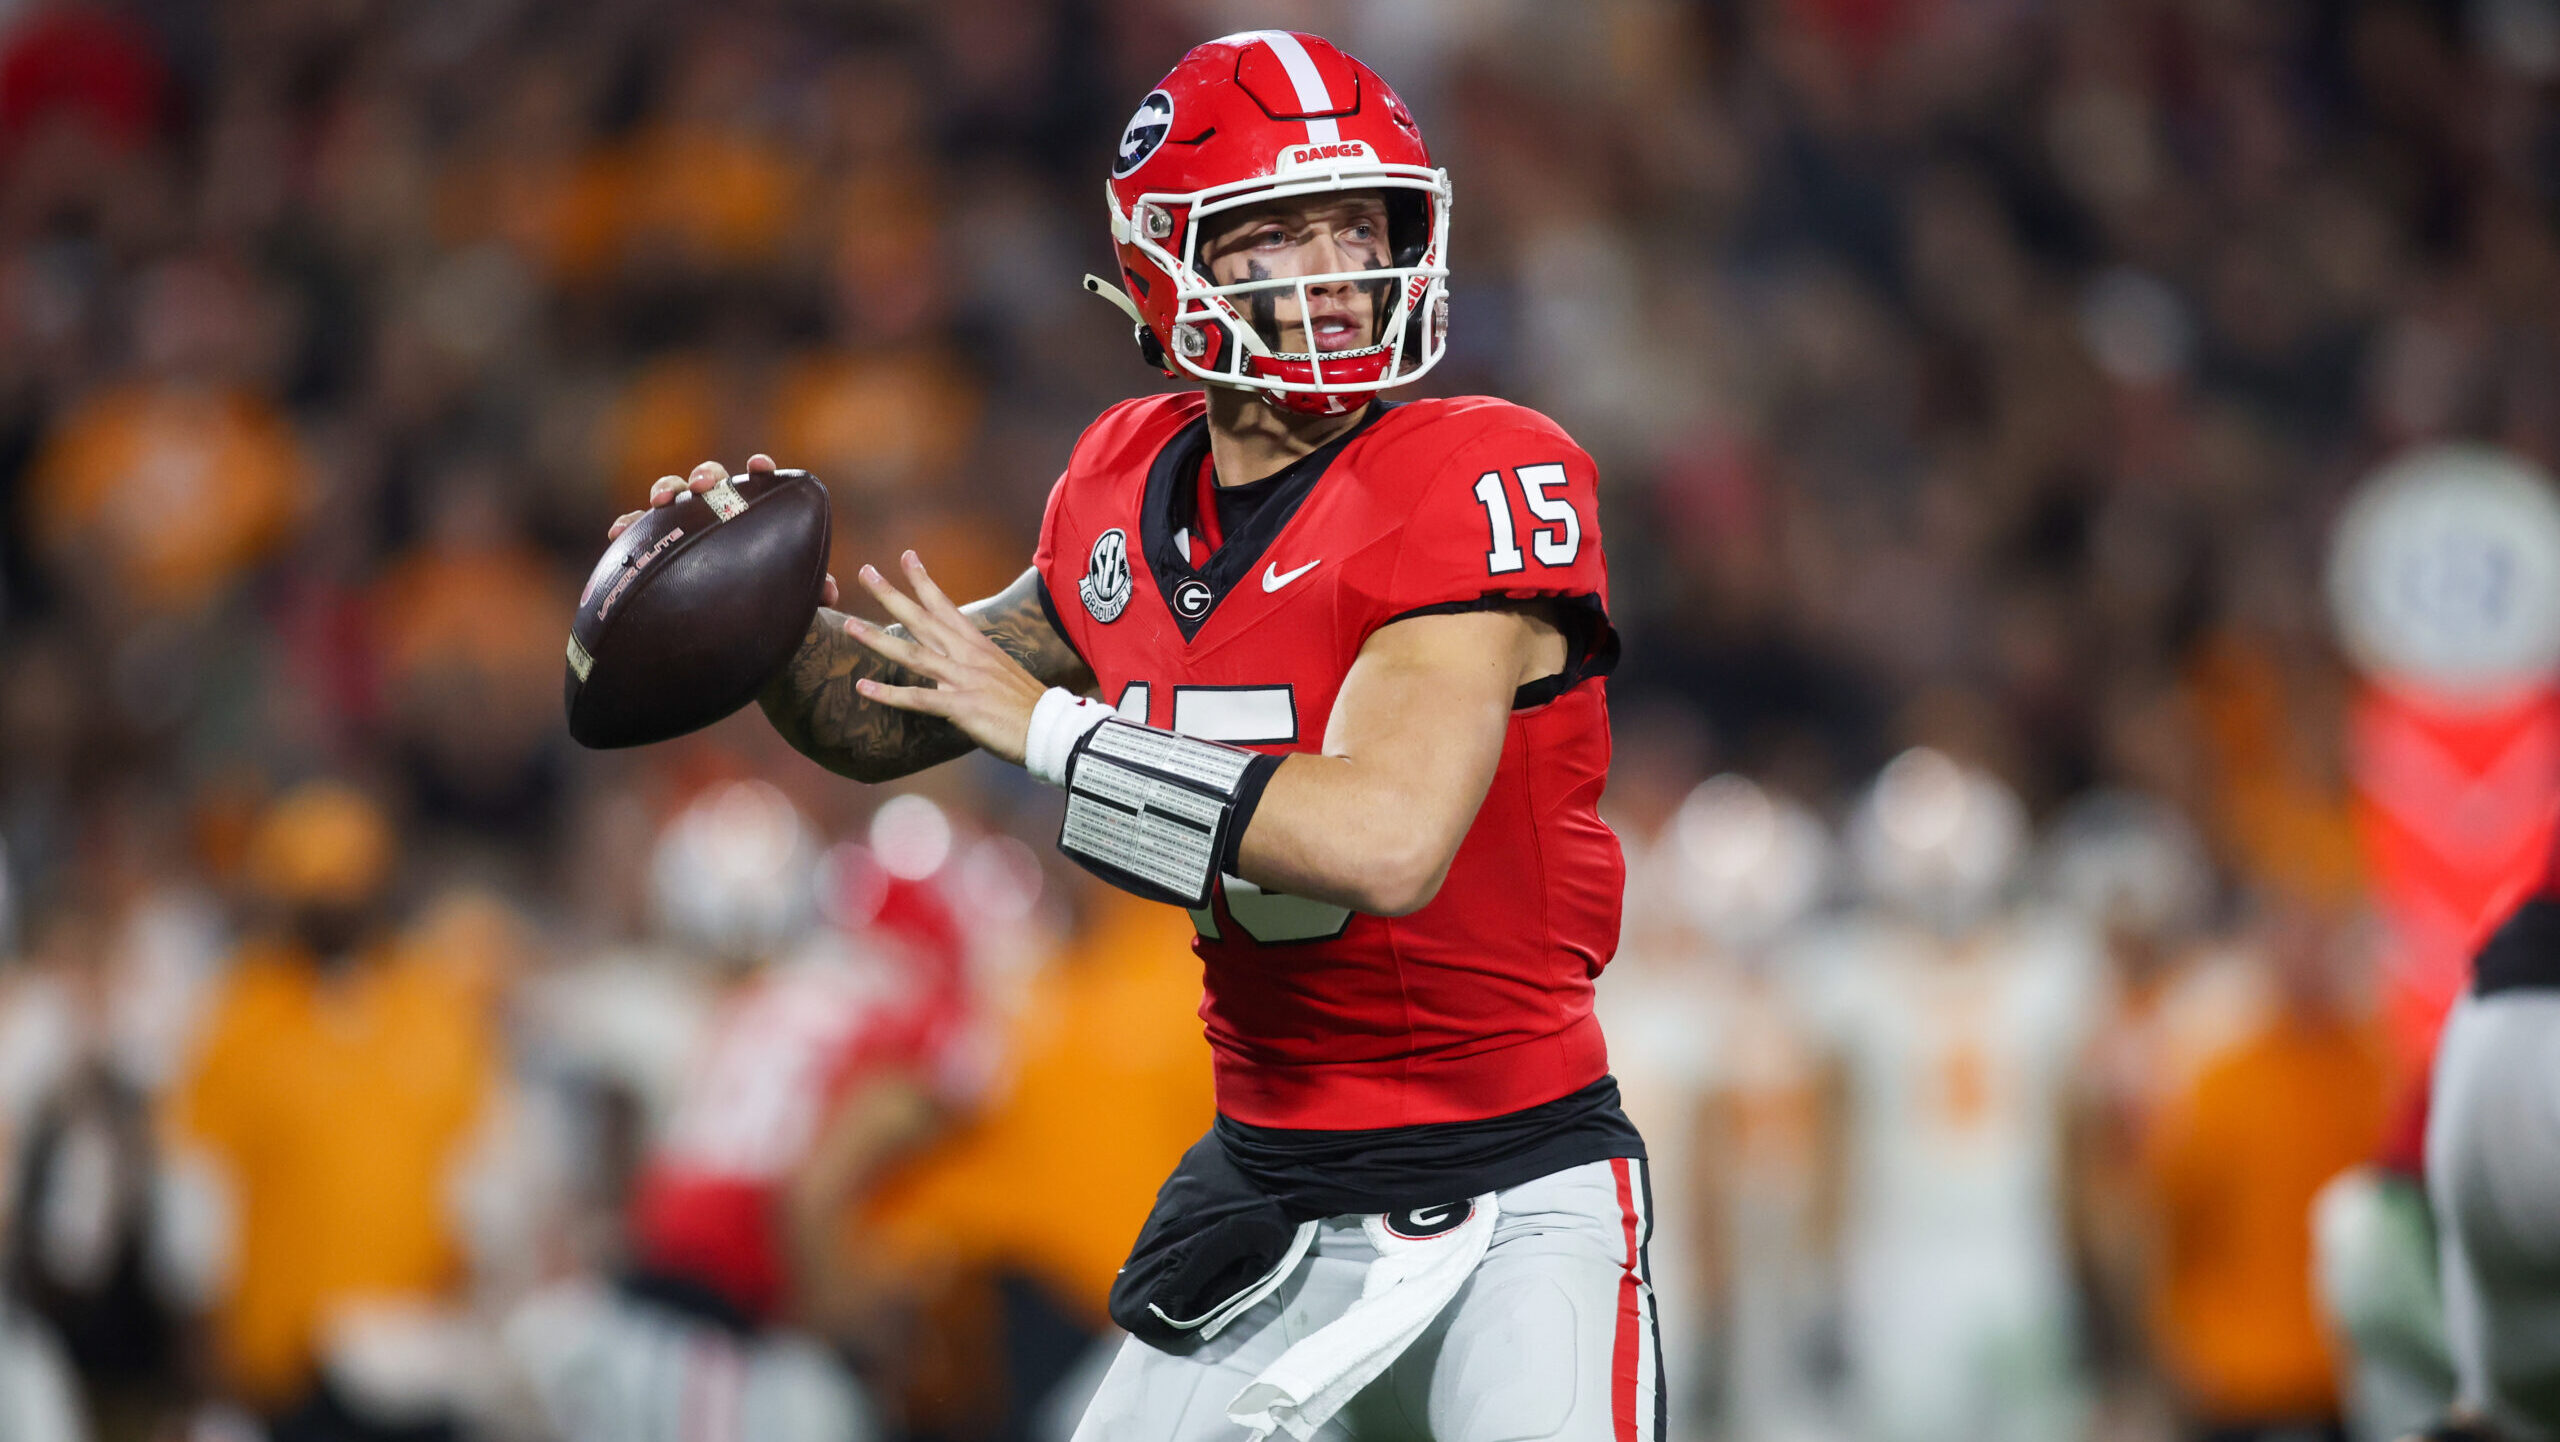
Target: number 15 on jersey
(1556, 543)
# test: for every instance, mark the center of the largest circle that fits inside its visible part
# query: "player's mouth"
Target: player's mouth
(1337, 329)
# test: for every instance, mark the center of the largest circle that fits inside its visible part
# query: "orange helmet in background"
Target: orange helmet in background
(322, 843)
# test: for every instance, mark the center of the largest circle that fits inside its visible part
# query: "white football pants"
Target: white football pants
(2493, 1173)
(1552, 1337)
(608, 1368)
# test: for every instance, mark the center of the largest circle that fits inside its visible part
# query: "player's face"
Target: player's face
(1305, 235)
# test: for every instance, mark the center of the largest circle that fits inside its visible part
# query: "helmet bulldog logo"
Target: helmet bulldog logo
(1147, 130)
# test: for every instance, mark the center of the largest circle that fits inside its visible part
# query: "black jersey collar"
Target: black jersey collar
(1191, 592)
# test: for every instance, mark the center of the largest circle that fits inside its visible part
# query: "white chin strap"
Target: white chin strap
(1118, 298)
(1120, 301)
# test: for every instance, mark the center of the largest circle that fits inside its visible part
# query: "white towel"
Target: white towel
(1404, 1289)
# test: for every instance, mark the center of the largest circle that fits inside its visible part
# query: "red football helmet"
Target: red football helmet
(1258, 116)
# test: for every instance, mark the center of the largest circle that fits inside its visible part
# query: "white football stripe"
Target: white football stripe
(1312, 94)
(1259, 715)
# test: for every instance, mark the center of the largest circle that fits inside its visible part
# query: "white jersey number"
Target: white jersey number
(1244, 715)
(1556, 543)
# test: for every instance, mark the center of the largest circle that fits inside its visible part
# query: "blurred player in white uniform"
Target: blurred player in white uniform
(832, 1052)
(1715, 1069)
(1955, 1020)
(2134, 872)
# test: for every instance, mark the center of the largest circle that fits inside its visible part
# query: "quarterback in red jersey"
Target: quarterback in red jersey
(1328, 671)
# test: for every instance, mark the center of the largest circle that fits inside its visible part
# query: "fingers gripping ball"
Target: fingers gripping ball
(696, 606)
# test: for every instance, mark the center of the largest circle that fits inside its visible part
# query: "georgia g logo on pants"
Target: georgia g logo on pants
(1420, 1223)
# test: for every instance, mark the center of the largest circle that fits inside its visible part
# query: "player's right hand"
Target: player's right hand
(710, 473)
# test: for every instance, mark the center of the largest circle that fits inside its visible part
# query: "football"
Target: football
(695, 607)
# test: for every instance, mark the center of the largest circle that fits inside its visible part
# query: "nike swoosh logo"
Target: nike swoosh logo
(1273, 578)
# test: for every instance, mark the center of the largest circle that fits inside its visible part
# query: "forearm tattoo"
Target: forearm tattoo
(813, 703)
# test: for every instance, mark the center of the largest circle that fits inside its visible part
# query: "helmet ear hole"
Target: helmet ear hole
(1408, 225)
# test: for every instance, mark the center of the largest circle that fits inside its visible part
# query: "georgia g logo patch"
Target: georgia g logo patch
(1417, 1224)
(1105, 587)
(1147, 130)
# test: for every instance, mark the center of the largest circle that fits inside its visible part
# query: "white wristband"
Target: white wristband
(1057, 724)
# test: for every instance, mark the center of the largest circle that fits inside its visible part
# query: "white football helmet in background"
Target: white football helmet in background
(735, 873)
(1936, 840)
(1747, 864)
(2127, 862)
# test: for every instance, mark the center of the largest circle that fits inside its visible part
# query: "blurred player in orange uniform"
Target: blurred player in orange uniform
(2238, 1157)
(327, 1114)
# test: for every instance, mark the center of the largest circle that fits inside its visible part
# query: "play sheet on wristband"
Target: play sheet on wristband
(1159, 831)
(1213, 766)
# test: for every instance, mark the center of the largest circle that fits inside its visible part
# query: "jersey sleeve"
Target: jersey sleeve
(1512, 512)
(1044, 556)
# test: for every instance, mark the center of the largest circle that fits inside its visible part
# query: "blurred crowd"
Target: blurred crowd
(1975, 384)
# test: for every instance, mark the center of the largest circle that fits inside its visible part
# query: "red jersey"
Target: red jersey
(783, 1054)
(1480, 1003)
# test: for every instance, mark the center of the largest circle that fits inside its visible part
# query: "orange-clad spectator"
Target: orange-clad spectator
(156, 492)
(2237, 1156)
(1110, 1083)
(888, 410)
(880, 421)
(667, 416)
(887, 271)
(2270, 721)
(532, 178)
(340, 1078)
(464, 631)
(168, 491)
(704, 185)
(979, 552)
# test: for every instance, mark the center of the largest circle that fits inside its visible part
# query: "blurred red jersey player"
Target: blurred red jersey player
(815, 1073)
(1328, 671)
(830, 1056)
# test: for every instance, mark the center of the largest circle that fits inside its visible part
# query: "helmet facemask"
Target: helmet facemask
(1228, 334)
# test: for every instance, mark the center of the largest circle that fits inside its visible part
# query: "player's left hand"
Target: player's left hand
(976, 686)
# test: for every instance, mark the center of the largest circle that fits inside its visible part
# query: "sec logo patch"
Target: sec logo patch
(1105, 587)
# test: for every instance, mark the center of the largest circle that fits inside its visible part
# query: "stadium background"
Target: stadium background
(1982, 375)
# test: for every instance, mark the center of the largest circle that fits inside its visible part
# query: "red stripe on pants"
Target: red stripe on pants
(1623, 1362)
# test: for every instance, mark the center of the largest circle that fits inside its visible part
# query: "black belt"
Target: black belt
(2523, 954)
(688, 1297)
(1386, 1169)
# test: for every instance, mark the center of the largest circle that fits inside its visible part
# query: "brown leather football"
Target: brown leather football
(695, 607)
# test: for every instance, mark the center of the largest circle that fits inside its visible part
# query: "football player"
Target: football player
(1952, 1017)
(834, 1053)
(1348, 658)
(2493, 1178)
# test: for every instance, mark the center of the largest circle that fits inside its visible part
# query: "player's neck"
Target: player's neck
(1249, 438)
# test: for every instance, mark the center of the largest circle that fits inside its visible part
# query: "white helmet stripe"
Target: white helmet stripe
(1312, 94)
